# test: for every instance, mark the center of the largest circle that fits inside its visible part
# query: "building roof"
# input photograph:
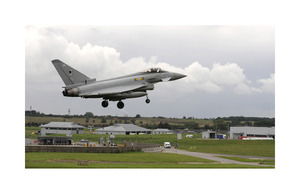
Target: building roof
(254, 130)
(123, 127)
(62, 125)
(162, 130)
(208, 131)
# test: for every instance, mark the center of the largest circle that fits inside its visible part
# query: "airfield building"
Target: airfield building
(209, 135)
(236, 132)
(67, 128)
(162, 131)
(123, 129)
(54, 141)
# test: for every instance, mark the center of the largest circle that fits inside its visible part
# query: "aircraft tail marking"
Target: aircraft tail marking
(69, 75)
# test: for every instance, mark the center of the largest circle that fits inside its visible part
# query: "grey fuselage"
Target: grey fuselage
(119, 88)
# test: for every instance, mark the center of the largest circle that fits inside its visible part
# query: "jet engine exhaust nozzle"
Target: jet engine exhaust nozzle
(71, 92)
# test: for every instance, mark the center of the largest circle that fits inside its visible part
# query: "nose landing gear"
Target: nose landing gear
(147, 100)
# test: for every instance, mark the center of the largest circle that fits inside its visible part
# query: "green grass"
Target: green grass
(237, 147)
(124, 165)
(261, 161)
(135, 157)
(121, 160)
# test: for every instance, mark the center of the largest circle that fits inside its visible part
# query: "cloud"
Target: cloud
(268, 85)
(102, 62)
(242, 88)
(219, 78)
(229, 74)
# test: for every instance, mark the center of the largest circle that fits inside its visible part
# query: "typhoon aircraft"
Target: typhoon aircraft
(115, 89)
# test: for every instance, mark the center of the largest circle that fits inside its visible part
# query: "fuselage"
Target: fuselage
(145, 79)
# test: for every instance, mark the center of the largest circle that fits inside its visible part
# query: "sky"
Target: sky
(230, 68)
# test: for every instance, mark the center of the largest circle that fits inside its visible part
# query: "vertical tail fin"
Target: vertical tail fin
(68, 74)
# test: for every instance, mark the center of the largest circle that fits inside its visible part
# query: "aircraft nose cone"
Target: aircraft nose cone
(177, 76)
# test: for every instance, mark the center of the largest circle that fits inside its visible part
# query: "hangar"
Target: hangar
(67, 128)
(123, 129)
(236, 132)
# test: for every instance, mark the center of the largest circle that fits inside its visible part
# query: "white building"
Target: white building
(236, 132)
(67, 128)
(162, 131)
(123, 129)
(209, 135)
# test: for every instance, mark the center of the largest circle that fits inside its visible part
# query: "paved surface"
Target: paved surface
(215, 158)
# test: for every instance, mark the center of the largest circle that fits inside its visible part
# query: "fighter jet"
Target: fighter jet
(115, 89)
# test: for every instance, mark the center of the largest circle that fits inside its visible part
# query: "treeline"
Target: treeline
(250, 121)
(190, 123)
(225, 123)
(36, 113)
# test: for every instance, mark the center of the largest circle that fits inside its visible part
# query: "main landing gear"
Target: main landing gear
(120, 104)
(105, 103)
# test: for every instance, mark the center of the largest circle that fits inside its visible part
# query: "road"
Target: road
(215, 157)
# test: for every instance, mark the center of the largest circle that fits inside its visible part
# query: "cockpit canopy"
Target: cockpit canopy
(153, 70)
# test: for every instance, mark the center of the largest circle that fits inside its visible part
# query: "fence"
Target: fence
(130, 147)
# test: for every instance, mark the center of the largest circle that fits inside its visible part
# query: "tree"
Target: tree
(88, 115)
(220, 124)
(265, 123)
(138, 116)
(191, 125)
(163, 125)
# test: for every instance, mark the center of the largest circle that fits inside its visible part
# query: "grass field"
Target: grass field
(261, 161)
(237, 147)
(121, 160)
(137, 165)
(136, 157)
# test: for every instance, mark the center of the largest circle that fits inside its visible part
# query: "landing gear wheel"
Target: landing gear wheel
(120, 105)
(147, 101)
(105, 103)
